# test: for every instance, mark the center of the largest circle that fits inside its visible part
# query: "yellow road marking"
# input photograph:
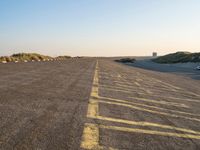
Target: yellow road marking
(139, 104)
(125, 129)
(146, 124)
(136, 83)
(93, 109)
(146, 100)
(122, 90)
(123, 84)
(131, 87)
(190, 100)
(176, 98)
(148, 110)
(182, 92)
(161, 102)
(90, 139)
(119, 88)
(165, 84)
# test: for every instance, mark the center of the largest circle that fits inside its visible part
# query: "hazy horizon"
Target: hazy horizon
(99, 28)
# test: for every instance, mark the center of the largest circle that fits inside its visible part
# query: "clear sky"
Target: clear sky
(99, 27)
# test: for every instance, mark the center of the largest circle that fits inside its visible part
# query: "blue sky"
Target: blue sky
(99, 27)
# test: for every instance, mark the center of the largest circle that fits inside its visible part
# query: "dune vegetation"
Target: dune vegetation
(178, 57)
(20, 57)
(63, 57)
(126, 60)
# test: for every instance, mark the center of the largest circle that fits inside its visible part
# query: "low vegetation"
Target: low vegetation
(19, 57)
(62, 57)
(178, 57)
(126, 60)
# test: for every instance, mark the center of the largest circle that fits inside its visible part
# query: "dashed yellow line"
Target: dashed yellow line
(90, 139)
(93, 109)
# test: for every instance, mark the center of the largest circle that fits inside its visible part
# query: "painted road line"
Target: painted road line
(150, 92)
(149, 106)
(182, 92)
(90, 137)
(151, 132)
(119, 88)
(132, 87)
(93, 109)
(174, 98)
(146, 124)
(160, 102)
(143, 99)
(167, 84)
(122, 84)
(122, 90)
(148, 110)
(136, 83)
(139, 79)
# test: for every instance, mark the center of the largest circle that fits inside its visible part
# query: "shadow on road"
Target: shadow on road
(169, 68)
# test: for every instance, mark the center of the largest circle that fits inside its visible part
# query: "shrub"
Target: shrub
(126, 60)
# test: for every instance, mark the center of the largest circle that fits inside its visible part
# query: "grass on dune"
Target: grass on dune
(178, 57)
(29, 57)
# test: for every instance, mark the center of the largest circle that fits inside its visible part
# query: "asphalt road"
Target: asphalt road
(184, 69)
(96, 104)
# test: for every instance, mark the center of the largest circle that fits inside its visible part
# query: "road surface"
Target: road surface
(96, 104)
(184, 69)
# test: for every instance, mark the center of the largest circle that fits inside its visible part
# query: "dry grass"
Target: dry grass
(22, 57)
(178, 57)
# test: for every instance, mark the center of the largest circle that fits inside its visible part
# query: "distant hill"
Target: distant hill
(29, 57)
(178, 57)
